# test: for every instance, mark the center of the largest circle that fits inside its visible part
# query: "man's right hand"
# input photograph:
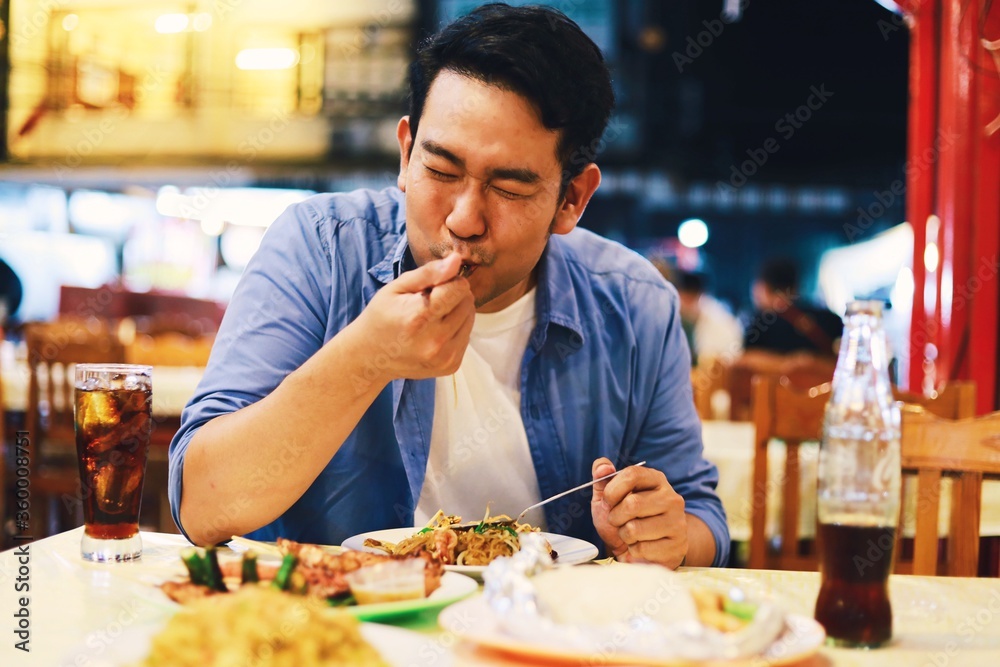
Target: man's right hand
(421, 321)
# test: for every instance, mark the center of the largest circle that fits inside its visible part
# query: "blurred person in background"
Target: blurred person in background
(456, 340)
(783, 322)
(11, 292)
(713, 331)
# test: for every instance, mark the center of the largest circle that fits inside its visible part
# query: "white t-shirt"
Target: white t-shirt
(479, 450)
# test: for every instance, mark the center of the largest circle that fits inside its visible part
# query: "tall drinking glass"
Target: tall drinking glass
(112, 414)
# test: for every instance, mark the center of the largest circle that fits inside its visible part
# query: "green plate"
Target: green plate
(454, 587)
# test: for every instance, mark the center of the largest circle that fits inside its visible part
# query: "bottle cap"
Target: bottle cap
(869, 307)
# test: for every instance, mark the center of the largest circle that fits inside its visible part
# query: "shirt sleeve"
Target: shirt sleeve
(670, 435)
(275, 321)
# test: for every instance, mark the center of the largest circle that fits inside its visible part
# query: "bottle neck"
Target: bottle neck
(863, 345)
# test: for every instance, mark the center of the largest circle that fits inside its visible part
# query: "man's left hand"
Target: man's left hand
(639, 515)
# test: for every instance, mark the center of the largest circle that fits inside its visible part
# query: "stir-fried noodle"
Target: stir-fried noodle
(455, 544)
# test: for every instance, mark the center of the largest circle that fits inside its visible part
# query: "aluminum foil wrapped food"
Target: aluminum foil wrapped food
(619, 610)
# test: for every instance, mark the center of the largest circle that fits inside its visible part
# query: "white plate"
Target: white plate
(474, 621)
(570, 550)
(398, 647)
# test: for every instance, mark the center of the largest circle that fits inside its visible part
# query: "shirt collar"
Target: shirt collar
(556, 299)
(396, 262)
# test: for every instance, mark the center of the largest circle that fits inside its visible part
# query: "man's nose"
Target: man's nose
(467, 216)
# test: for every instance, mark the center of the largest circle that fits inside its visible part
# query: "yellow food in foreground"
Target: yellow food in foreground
(263, 627)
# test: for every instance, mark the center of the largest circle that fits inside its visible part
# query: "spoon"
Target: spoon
(575, 488)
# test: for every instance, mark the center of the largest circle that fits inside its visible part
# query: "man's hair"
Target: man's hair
(781, 275)
(536, 52)
(690, 282)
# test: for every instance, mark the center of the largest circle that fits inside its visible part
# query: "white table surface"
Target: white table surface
(79, 610)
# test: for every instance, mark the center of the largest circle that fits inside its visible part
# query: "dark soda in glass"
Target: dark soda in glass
(112, 439)
(853, 603)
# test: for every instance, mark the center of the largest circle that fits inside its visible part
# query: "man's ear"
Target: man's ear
(405, 146)
(578, 194)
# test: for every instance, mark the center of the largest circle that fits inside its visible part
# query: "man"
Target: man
(713, 332)
(451, 343)
(784, 323)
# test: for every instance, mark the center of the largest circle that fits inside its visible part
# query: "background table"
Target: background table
(79, 609)
(173, 386)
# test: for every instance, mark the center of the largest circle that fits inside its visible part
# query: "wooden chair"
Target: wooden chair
(706, 380)
(169, 349)
(53, 351)
(956, 400)
(803, 370)
(968, 451)
(782, 412)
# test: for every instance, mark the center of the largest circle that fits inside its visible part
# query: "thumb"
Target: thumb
(429, 275)
(601, 467)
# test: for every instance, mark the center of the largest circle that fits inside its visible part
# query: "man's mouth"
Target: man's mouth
(466, 270)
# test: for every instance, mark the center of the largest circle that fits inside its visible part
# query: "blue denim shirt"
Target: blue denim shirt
(606, 373)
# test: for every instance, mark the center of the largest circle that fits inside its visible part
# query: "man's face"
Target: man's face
(482, 179)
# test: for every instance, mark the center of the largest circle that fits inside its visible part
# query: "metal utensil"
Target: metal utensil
(575, 488)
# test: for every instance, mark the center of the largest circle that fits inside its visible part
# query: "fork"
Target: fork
(575, 488)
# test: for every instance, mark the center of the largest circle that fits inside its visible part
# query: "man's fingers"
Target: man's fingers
(633, 478)
(445, 299)
(429, 275)
(600, 468)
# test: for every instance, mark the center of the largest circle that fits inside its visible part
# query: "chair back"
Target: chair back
(707, 379)
(967, 451)
(54, 349)
(169, 349)
(782, 412)
(802, 370)
(956, 400)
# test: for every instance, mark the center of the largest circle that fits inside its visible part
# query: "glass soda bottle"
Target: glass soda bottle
(858, 487)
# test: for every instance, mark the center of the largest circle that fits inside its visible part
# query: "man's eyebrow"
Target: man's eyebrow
(441, 151)
(521, 174)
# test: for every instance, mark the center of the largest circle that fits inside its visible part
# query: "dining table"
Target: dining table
(66, 611)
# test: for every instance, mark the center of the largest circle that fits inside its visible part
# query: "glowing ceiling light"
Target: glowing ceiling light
(693, 233)
(261, 59)
(171, 23)
(70, 22)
